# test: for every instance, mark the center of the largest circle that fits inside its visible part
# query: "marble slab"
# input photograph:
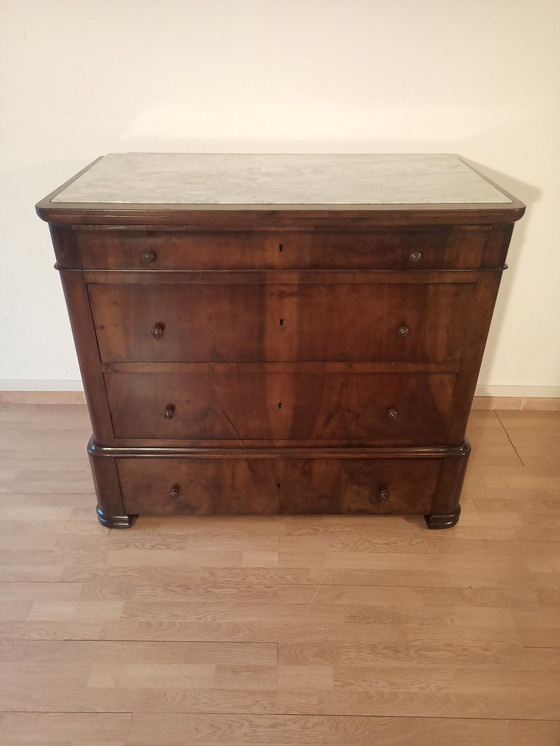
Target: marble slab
(277, 179)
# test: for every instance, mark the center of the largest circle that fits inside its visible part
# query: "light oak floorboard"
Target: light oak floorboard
(282, 630)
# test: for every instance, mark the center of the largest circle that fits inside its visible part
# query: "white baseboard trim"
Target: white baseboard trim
(41, 385)
(518, 392)
(524, 392)
(486, 397)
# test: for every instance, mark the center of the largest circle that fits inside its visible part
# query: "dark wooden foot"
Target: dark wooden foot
(113, 521)
(443, 521)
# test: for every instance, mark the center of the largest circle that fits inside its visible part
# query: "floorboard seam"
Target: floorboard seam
(509, 438)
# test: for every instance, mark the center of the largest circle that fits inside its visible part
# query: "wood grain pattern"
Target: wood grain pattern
(348, 408)
(268, 323)
(305, 485)
(463, 247)
(161, 308)
(281, 629)
(336, 731)
(40, 396)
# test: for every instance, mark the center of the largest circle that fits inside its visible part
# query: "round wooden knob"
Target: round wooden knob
(157, 331)
(382, 495)
(415, 257)
(174, 492)
(149, 257)
(393, 414)
(169, 411)
(404, 331)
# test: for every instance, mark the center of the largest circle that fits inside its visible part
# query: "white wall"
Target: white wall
(81, 78)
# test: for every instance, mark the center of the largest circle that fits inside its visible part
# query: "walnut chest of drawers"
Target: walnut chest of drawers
(268, 334)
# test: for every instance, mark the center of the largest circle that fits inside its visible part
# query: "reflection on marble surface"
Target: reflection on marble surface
(239, 179)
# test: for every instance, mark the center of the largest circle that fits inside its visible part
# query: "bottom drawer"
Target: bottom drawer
(264, 485)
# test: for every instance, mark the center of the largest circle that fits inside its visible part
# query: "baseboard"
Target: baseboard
(518, 392)
(41, 392)
(487, 397)
(541, 403)
(517, 397)
(46, 385)
(42, 397)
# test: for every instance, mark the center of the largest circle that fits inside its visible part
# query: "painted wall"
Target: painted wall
(82, 78)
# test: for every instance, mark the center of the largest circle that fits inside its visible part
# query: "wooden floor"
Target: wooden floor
(325, 630)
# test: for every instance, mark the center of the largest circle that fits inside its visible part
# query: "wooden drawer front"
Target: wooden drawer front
(207, 486)
(390, 408)
(199, 323)
(428, 248)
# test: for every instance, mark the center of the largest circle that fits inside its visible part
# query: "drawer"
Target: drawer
(206, 486)
(386, 248)
(225, 404)
(259, 322)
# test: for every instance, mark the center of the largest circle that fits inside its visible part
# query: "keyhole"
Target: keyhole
(279, 405)
(281, 322)
(281, 248)
(278, 485)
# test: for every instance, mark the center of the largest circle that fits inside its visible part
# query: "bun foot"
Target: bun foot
(113, 521)
(443, 521)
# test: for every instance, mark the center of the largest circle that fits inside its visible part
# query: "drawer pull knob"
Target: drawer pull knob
(393, 414)
(149, 257)
(174, 492)
(157, 331)
(382, 495)
(169, 411)
(404, 331)
(416, 257)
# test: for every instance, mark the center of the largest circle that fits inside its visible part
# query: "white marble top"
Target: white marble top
(243, 179)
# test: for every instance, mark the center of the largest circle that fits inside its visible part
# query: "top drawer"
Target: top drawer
(464, 247)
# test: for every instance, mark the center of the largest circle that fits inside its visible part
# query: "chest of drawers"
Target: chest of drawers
(279, 334)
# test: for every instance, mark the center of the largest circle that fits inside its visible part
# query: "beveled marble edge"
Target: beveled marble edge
(280, 179)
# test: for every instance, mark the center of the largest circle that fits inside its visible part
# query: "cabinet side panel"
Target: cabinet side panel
(450, 484)
(496, 249)
(66, 247)
(88, 354)
(83, 330)
(473, 350)
(107, 487)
